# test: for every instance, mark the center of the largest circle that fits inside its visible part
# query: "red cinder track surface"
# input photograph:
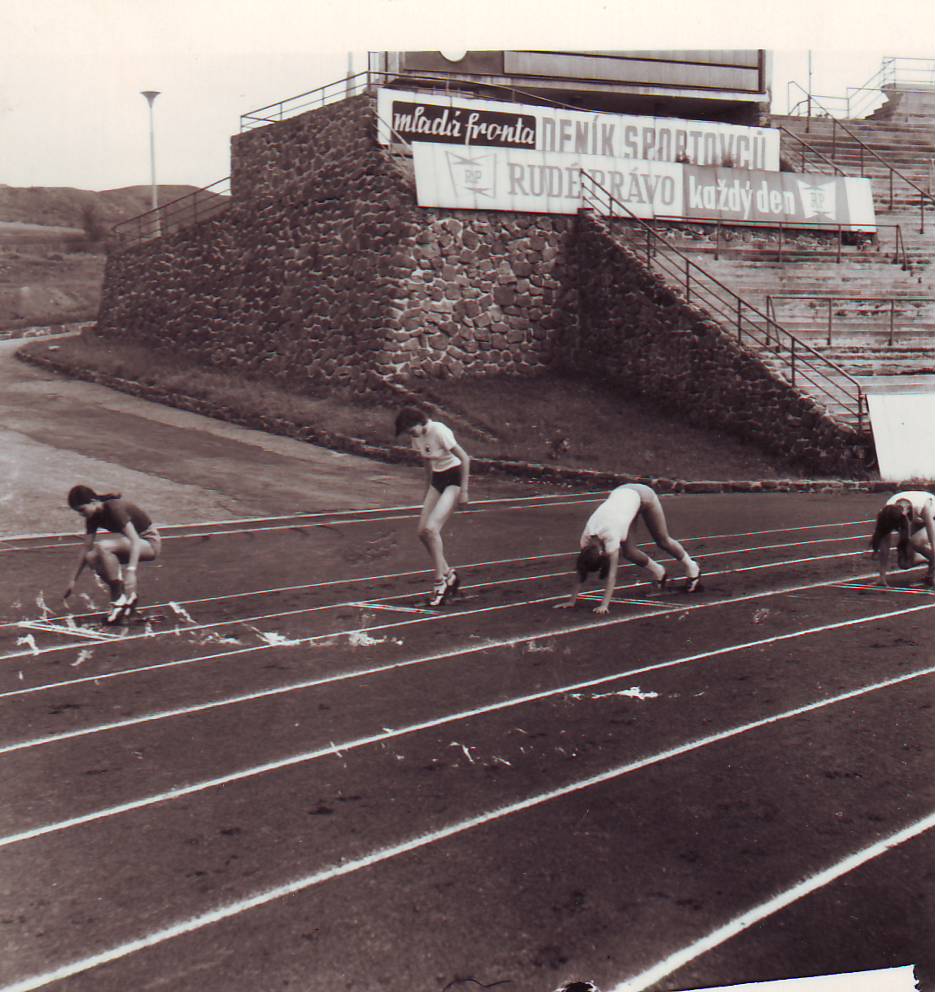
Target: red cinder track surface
(287, 773)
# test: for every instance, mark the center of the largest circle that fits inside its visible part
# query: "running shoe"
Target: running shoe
(439, 593)
(116, 610)
(661, 583)
(129, 607)
(693, 582)
(452, 583)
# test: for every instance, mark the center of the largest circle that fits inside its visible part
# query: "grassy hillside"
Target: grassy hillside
(551, 419)
(52, 249)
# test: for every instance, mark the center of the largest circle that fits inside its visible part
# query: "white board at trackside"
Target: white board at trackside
(902, 416)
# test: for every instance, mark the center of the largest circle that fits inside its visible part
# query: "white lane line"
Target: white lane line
(676, 607)
(233, 909)
(501, 561)
(330, 521)
(175, 631)
(765, 909)
(390, 734)
(337, 514)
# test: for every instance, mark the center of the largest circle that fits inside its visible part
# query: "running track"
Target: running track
(291, 775)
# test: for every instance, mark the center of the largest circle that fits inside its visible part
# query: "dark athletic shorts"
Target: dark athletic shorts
(450, 477)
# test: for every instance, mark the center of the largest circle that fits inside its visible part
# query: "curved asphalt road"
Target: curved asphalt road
(182, 467)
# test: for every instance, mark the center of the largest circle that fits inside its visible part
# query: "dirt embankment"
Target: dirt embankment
(53, 243)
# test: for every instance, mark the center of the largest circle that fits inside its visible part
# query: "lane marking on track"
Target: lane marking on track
(390, 734)
(870, 587)
(192, 628)
(597, 596)
(337, 515)
(332, 522)
(65, 629)
(381, 855)
(334, 517)
(484, 564)
(394, 609)
(756, 914)
(319, 638)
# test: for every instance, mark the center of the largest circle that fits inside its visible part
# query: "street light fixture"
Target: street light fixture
(150, 99)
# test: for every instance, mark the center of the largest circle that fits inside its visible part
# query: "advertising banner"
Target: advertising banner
(517, 179)
(418, 117)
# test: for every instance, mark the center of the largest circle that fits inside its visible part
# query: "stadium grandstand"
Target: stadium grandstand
(448, 214)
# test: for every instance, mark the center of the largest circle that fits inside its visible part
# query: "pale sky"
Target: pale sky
(71, 71)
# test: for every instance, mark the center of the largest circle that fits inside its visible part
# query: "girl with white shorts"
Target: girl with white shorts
(611, 531)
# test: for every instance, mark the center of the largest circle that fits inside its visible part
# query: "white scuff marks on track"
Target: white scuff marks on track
(44, 610)
(27, 640)
(634, 692)
(361, 639)
(533, 647)
(83, 656)
(213, 637)
(274, 639)
(181, 612)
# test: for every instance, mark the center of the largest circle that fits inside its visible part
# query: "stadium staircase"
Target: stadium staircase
(867, 307)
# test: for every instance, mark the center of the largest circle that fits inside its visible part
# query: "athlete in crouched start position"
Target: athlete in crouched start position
(132, 539)
(911, 515)
(611, 530)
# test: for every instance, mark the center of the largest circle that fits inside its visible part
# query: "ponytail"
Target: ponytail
(79, 496)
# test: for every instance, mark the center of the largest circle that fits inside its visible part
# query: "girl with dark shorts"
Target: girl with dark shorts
(132, 538)
(447, 467)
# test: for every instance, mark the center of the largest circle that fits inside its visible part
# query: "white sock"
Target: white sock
(657, 570)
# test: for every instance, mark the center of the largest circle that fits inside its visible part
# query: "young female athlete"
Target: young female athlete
(132, 539)
(447, 468)
(611, 530)
(912, 515)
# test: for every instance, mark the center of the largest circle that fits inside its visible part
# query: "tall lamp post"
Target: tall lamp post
(150, 99)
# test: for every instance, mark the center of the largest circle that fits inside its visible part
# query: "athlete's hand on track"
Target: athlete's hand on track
(601, 610)
(563, 606)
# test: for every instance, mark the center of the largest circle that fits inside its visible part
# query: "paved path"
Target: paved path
(56, 432)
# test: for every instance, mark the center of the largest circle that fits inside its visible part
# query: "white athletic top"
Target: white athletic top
(435, 445)
(919, 501)
(612, 519)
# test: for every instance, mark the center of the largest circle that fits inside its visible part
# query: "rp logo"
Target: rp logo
(475, 174)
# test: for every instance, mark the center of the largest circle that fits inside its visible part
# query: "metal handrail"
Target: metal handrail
(820, 155)
(362, 81)
(900, 255)
(893, 71)
(775, 336)
(184, 211)
(889, 73)
(892, 170)
(830, 300)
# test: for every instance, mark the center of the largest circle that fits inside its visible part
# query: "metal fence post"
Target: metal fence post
(830, 301)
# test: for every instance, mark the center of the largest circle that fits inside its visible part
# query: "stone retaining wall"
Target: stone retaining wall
(636, 333)
(324, 269)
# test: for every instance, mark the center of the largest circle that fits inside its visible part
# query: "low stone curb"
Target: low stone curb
(556, 474)
(45, 330)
